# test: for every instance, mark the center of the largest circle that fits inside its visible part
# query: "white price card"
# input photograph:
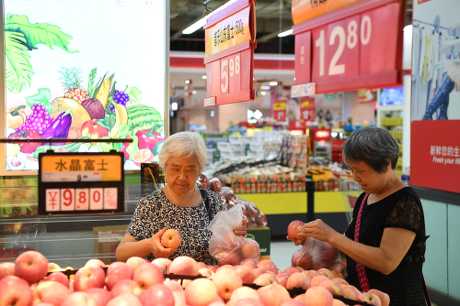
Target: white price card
(52, 199)
(96, 198)
(67, 199)
(110, 198)
(82, 199)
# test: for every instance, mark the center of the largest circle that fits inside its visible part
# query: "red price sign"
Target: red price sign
(229, 52)
(67, 199)
(357, 47)
(279, 110)
(82, 199)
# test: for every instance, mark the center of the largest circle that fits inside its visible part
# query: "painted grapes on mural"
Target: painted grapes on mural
(87, 104)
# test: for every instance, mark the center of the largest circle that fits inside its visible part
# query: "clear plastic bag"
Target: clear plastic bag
(224, 245)
(316, 254)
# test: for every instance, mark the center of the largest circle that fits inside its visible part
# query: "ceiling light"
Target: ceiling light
(204, 77)
(193, 92)
(188, 81)
(265, 87)
(273, 83)
(285, 33)
(200, 23)
(195, 26)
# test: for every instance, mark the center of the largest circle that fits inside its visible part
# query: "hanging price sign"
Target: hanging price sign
(355, 47)
(279, 110)
(229, 53)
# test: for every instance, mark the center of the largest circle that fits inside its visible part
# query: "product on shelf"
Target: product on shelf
(182, 281)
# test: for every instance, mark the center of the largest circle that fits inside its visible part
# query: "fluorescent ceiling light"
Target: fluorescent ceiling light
(285, 33)
(204, 77)
(273, 83)
(195, 26)
(265, 87)
(202, 21)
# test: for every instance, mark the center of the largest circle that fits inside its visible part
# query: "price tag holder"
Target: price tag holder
(359, 46)
(71, 183)
(229, 54)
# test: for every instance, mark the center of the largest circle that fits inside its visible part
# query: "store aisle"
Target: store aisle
(281, 252)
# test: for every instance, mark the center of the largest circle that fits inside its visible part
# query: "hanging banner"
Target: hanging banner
(435, 104)
(229, 53)
(307, 109)
(303, 10)
(280, 110)
(357, 46)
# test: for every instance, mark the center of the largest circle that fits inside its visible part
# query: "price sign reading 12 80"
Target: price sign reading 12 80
(358, 48)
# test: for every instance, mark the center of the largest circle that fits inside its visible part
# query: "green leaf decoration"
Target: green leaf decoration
(38, 33)
(91, 79)
(18, 67)
(43, 97)
(135, 95)
(109, 120)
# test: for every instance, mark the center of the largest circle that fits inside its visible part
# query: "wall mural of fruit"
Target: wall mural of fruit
(86, 97)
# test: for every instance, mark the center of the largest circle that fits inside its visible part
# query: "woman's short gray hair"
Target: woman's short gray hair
(184, 144)
(374, 146)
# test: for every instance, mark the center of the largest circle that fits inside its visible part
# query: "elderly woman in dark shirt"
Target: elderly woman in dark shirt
(385, 242)
(179, 205)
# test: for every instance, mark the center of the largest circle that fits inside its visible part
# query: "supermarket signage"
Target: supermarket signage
(357, 46)
(229, 53)
(279, 110)
(80, 182)
(307, 109)
(303, 10)
(435, 154)
(303, 90)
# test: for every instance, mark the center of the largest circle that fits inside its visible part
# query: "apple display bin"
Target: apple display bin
(181, 278)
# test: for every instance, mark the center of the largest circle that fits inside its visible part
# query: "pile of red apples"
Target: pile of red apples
(30, 281)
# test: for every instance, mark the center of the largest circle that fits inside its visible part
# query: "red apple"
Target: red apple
(6, 268)
(267, 265)
(116, 272)
(100, 295)
(14, 291)
(59, 277)
(244, 293)
(265, 279)
(177, 291)
(250, 249)
(294, 229)
(79, 299)
(157, 295)
(162, 263)
(125, 299)
(232, 257)
(273, 295)
(338, 303)
(135, 261)
(250, 262)
(31, 266)
(293, 303)
(317, 280)
(94, 262)
(53, 267)
(201, 292)
(316, 296)
(298, 280)
(89, 277)
(126, 286)
(147, 275)
(384, 298)
(183, 265)
(171, 239)
(52, 292)
(245, 273)
(226, 280)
